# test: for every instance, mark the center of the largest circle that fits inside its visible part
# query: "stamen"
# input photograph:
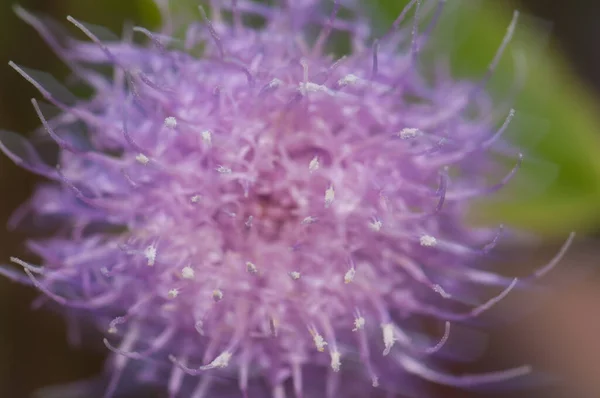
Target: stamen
(423, 37)
(320, 42)
(409, 133)
(150, 254)
(221, 361)
(414, 48)
(490, 141)
(199, 327)
(401, 17)
(157, 43)
(310, 87)
(142, 159)
(62, 143)
(492, 244)
(213, 32)
(45, 93)
(349, 276)
(304, 64)
(440, 290)
(475, 312)
(273, 325)
(359, 323)
(347, 80)
(207, 137)
(49, 37)
(314, 164)
(375, 66)
(467, 194)
(176, 379)
(278, 391)
(203, 387)
(388, 337)
(442, 341)
(297, 379)
(413, 366)
(365, 355)
(224, 170)
(271, 86)
(170, 122)
(320, 343)
(490, 303)
(505, 41)
(195, 198)
(557, 258)
(428, 241)
(94, 38)
(32, 268)
(309, 220)
(188, 273)
(237, 16)
(329, 196)
(124, 353)
(251, 268)
(112, 326)
(441, 191)
(217, 295)
(376, 224)
(335, 361)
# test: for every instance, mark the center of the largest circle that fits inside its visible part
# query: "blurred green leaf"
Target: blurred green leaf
(568, 127)
(148, 12)
(108, 13)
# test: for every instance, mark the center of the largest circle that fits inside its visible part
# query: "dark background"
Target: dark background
(33, 348)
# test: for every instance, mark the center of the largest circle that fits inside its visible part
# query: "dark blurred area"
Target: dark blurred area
(33, 344)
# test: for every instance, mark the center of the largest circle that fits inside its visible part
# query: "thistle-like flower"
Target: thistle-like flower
(239, 203)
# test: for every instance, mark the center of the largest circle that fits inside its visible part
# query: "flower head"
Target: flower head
(264, 209)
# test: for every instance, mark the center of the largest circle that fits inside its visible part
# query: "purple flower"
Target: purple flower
(240, 204)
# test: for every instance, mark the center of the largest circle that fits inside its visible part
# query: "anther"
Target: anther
(206, 137)
(359, 323)
(187, 273)
(335, 361)
(329, 196)
(142, 159)
(428, 241)
(219, 362)
(409, 133)
(224, 170)
(251, 268)
(349, 276)
(170, 122)
(150, 254)
(217, 295)
(314, 164)
(309, 220)
(348, 79)
(320, 343)
(376, 225)
(388, 337)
